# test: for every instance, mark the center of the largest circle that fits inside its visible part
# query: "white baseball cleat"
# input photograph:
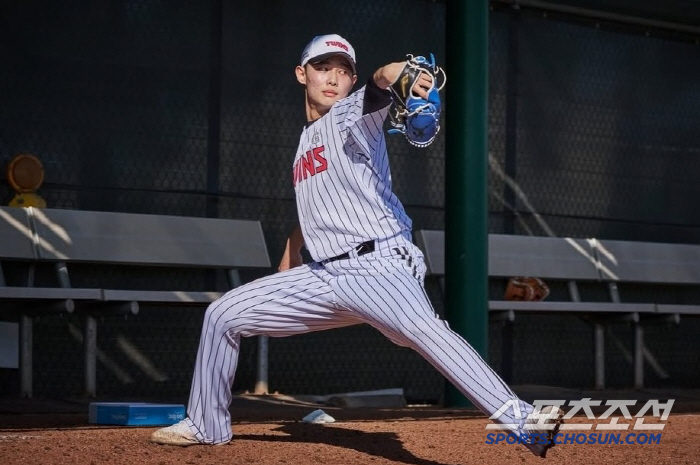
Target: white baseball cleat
(549, 415)
(178, 434)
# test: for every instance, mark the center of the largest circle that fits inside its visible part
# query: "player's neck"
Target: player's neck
(312, 113)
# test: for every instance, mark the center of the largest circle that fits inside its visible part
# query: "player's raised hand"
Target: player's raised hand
(423, 85)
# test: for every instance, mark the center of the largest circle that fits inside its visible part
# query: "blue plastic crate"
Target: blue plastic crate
(135, 413)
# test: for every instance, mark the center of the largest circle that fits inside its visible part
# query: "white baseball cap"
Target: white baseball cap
(322, 47)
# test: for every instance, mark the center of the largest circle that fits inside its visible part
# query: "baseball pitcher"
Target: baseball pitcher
(365, 268)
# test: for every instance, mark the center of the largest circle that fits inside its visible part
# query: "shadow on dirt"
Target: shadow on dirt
(379, 444)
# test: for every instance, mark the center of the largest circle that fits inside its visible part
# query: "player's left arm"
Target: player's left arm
(291, 257)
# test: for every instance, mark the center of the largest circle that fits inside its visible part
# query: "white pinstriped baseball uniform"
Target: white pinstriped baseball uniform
(344, 199)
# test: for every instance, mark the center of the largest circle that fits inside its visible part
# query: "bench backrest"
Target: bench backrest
(131, 238)
(648, 262)
(577, 259)
(543, 257)
(16, 237)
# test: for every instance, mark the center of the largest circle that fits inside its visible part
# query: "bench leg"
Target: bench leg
(261, 383)
(25, 355)
(599, 354)
(507, 352)
(638, 356)
(90, 347)
(234, 278)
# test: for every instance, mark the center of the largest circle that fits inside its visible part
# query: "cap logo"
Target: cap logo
(335, 43)
(321, 47)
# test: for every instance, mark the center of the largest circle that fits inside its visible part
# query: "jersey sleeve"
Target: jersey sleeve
(360, 117)
(375, 98)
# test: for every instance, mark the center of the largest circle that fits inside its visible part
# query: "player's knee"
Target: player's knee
(226, 308)
(418, 332)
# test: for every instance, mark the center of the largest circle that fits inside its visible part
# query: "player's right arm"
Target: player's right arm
(376, 92)
(387, 75)
(292, 251)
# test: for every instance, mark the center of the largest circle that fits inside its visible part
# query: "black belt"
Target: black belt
(364, 248)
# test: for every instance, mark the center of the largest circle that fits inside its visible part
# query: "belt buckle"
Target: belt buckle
(365, 247)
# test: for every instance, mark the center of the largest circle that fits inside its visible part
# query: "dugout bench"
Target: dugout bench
(64, 238)
(574, 261)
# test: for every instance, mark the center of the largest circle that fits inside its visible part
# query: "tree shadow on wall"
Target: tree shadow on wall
(379, 444)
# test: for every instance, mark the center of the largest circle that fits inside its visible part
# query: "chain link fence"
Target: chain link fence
(192, 108)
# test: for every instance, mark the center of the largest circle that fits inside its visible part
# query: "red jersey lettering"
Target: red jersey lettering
(322, 163)
(309, 165)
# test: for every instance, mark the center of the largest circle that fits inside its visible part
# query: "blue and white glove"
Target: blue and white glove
(415, 117)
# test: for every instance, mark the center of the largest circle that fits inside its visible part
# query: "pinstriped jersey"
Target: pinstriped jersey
(342, 178)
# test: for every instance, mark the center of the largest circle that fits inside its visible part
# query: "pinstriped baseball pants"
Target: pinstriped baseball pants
(383, 289)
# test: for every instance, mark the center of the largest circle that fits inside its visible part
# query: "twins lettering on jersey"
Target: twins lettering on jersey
(310, 164)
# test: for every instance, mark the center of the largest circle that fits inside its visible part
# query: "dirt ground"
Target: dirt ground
(272, 434)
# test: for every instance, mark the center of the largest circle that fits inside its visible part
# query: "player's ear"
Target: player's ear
(354, 79)
(301, 75)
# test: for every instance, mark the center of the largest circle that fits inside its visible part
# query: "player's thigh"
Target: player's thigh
(285, 303)
(388, 296)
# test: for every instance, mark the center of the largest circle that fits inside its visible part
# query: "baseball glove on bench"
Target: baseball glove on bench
(527, 289)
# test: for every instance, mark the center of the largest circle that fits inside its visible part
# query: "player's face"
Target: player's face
(326, 82)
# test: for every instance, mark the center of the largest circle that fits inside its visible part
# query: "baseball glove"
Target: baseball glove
(530, 289)
(416, 118)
